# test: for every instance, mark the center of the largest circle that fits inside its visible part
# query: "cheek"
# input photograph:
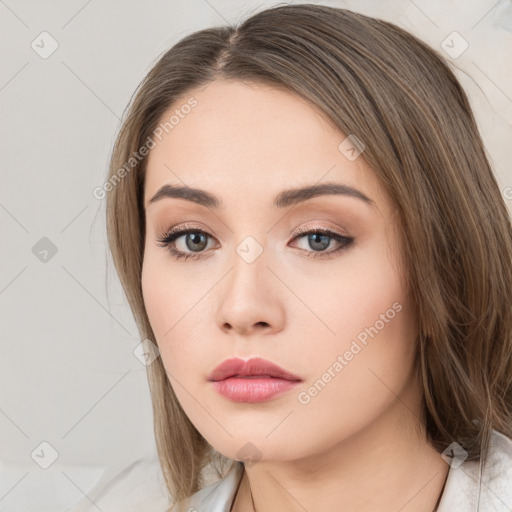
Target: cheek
(352, 294)
(173, 305)
(167, 294)
(157, 296)
(368, 333)
(358, 377)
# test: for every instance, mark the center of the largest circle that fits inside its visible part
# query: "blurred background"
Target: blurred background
(76, 428)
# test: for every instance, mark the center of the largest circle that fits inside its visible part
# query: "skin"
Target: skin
(359, 442)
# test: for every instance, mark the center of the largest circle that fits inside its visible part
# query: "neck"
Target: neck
(387, 466)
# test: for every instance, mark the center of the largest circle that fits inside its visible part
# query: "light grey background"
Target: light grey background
(69, 376)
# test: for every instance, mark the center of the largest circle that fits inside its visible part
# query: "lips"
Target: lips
(252, 368)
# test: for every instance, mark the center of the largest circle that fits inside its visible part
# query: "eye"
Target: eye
(320, 239)
(196, 240)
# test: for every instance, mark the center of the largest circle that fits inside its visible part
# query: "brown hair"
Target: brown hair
(400, 98)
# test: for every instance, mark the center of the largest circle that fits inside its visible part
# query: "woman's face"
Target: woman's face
(333, 311)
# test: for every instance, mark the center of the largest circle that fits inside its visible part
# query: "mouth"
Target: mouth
(254, 380)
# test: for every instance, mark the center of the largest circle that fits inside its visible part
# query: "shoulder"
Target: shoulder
(482, 485)
(217, 497)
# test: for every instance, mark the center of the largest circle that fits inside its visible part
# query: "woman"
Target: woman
(305, 223)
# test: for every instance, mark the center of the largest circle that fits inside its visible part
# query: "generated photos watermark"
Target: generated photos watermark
(357, 345)
(137, 156)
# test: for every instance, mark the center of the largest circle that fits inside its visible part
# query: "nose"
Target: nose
(250, 299)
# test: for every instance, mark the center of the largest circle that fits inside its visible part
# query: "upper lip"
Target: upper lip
(252, 367)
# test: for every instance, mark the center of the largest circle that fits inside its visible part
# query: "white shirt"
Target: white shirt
(470, 487)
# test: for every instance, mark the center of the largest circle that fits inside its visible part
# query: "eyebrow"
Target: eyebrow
(282, 200)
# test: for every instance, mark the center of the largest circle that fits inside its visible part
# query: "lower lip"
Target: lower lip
(240, 389)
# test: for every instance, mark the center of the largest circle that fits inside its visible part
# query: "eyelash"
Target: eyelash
(172, 235)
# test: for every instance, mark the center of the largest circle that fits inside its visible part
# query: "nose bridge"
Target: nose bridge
(249, 266)
(250, 250)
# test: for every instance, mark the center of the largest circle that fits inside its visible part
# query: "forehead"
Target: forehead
(253, 140)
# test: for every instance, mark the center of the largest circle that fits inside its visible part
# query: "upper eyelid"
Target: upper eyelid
(183, 229)
(318, 227)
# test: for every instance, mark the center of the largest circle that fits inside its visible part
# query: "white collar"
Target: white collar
(478, 487)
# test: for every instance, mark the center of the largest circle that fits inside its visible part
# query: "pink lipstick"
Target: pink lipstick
(254, 380)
